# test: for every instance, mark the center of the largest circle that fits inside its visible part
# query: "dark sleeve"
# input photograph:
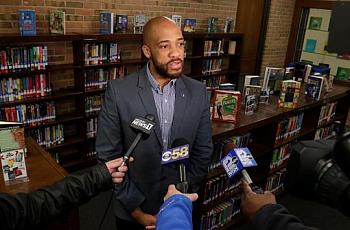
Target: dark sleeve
(27, 211)
(275, 216)
(175, 213)
(202, 148)
(109, 146)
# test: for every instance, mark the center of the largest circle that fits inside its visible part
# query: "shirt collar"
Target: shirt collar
(154, 84)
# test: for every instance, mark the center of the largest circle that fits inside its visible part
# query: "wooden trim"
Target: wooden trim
(299, 5)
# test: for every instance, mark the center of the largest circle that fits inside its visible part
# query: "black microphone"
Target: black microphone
(183, 146)
(178, 152)
(143, 127)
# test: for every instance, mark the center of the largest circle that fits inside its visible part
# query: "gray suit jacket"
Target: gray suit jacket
(147, 180)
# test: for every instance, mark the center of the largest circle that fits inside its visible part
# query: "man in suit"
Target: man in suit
(181, 109)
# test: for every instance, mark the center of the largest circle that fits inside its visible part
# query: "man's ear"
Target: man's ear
(146, 51)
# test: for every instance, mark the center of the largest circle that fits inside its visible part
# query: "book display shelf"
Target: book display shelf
(63, 118)
(269, 133)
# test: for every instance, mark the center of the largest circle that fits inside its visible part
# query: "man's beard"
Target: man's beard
(162, 70)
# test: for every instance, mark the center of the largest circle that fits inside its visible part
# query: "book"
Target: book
(226, 106)
(231, 47)
(212, 24)
(272, 80)
(229, 26)
(121, 23)
(12, 150)
(314, 86)
(289, 73)
(289, 94)
(57, 22)
(139, 23)
(251, 80)
(189, 25)
(13, 165)
(27, 22)
(177, 19)
(251, 98)
(106, 23)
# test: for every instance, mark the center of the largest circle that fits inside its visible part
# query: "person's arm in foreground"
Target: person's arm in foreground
(265, 213)
(176, 211)
(26, 211)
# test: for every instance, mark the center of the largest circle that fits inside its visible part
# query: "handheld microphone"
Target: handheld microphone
(143, 127)
(236, 161)
(178, 152)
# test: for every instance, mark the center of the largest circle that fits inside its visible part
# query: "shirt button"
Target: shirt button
(166, 100)
(165, 121)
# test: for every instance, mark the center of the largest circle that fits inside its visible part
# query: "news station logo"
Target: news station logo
(231, 164)
(142, 124)
(175, 154)
(245, 157)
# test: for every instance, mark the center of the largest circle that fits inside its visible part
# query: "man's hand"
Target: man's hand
(172, 191)
(252, 202)
(116, 170)
(147, 220)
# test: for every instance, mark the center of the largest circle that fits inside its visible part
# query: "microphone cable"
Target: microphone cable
(108, 205)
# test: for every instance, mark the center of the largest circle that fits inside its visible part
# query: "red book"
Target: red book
(226, 106)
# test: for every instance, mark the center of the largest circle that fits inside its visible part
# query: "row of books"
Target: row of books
(17, 59)
(280, 155)
(288, 127)
(214, 47)
(275, 182)
(221, 214)
(93, 103)
(218, 153)
(220, 186)
(91, 127)
(213, 82)
(326, 132)
(48, 136)
(30, 114)
(327, 113)
(211, 66)
(101, 53)
(98, 78)
(13, 89)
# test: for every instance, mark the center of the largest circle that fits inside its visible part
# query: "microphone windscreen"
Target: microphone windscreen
(150, 117)
(227, 148)
(179, 142)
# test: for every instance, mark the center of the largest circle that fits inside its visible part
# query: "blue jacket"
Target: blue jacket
(175, 213)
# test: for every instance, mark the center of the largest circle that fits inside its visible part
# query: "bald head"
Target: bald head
(154, 25)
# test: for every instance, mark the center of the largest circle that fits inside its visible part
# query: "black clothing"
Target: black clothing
(128, 225)
(275, 216)
(27, 211)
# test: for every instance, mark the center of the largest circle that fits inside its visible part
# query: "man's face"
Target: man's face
(167, 51)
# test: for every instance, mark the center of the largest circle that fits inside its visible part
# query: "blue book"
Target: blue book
(106, 23)
(314, 86)
(27, 22)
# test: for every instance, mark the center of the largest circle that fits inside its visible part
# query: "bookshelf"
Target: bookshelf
(263, 127)
(63, 118)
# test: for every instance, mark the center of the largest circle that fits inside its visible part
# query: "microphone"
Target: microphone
(143, 126)
(179, 152)
(236, 161)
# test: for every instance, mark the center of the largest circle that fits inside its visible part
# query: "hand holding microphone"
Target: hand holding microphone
(236, 161)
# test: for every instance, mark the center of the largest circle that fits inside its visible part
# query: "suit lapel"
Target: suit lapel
(146, 96)
(181, 99)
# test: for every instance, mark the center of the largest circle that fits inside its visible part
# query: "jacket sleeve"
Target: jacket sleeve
(27, 211)
(109, 146)
(275, 216)
(202, 147)
(175, 213)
